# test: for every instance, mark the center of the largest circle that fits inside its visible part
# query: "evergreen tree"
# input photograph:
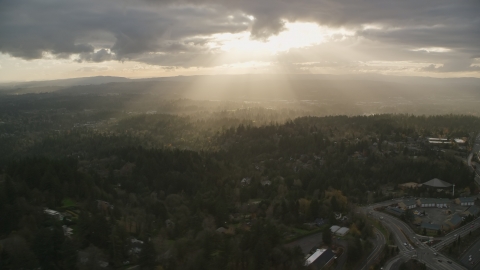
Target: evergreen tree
(147, 259)
(327, 237)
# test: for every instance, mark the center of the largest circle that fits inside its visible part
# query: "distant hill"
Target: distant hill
(65, 82)
(372, 77)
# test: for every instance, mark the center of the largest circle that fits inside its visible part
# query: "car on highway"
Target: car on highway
(405, 244)
(450, 262)
(440, 261)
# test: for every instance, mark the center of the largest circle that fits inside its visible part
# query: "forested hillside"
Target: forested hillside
(222, 189)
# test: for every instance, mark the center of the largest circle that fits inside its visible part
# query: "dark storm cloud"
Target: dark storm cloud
(167, 32)
(99, 56)
(28, 29)
(348, 13)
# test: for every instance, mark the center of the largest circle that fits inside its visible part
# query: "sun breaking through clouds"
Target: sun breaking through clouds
(144, 38)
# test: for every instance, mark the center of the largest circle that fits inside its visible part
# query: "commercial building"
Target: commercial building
(407, 204)
(437, 183)
(430, 202)
(426, 202)
(442, 203)
(320, 258)
(466, 201)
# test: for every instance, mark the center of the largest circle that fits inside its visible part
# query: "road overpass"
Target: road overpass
(410, 244)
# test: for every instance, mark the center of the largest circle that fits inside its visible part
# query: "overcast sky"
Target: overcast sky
(53, 39)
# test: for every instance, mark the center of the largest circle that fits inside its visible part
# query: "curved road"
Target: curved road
(379, 245)
(404, 235)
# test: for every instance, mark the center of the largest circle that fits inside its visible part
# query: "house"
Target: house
(136, 241)
(246, 181)
(334, 228)
(221, 230)
(135, 246)
(465, 201)
(342, 231)
(67, 231)
(265, 182)
(472, 210)
(454, 222)
(169, 223)
(53, 213)
(320, 258)
(407, 204)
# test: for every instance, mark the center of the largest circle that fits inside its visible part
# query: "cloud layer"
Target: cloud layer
(180, 32)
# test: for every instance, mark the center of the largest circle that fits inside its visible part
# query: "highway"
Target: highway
(404, 236)
(379, 244)
(453, 235)
(410, 244)
(475, 150)
(474, 252)
(394, 263)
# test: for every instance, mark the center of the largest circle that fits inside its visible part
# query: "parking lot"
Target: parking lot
(440, 215)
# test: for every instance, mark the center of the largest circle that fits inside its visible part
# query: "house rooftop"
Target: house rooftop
(342, 231)
(334, 228)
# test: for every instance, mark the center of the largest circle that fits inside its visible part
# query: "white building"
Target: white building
(314, 256)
